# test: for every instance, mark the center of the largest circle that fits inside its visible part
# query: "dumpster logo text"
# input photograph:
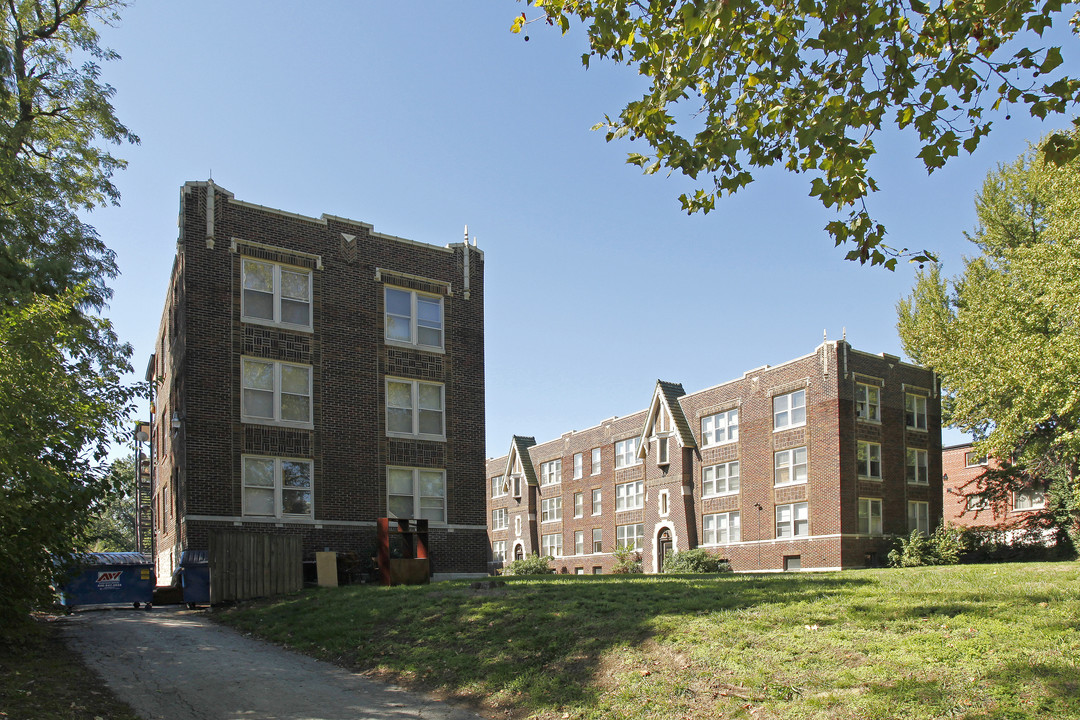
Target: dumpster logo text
(107, 580)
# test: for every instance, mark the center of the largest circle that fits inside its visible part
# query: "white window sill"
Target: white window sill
(781, 485)
(277, 423)
(414, 346)
(719, 444)
(870, 478)
(789, 427)
(307, 329)
(408, 436)
(730, 493)
(869, 421)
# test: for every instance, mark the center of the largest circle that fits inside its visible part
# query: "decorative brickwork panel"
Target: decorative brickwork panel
(283, 442)
(416, 453)
(789, 439)
(401, 362)
(276, 344)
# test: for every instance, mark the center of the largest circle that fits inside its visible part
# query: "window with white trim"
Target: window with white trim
(918, 516)
(551, 509)
(596, 461)
(275, 392)
(579, 542)
(722, 479)
(517, 525)
(515, 481)
(789, 410)
(626, 452)
(551, 545)
(869, 516)
(868, 402)
(662, 457)
(630, 536)
(868, 460)
(597, 540)
(720, 428)
(551, 472)
(1029, 499)
(277, 487)
(500, 519)
(789, 467)
(917, 468)
(915, 411)
(413, 318)
(415, 409)
(579, 504)
(416, 493)
(275, 294)
(630, 496)
(498, 486)
(597, 506)
(972, 459)
(976, 502)
(498, 551)
(721, 528)
(792, 520)
(579, 465)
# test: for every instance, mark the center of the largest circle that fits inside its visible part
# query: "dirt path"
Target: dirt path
(173, 664)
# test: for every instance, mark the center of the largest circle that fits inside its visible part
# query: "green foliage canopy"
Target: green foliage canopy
(742, 84)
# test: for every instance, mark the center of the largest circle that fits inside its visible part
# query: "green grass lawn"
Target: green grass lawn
(987, 641)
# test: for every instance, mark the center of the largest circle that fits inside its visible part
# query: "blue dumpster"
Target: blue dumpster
(110, 578)
(194, 571)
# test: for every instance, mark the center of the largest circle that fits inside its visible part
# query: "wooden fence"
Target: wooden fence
(249, 565)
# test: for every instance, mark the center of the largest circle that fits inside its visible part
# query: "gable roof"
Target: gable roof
(519, 448)
(666, 396)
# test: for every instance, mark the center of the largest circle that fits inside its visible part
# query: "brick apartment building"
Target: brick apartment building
(964, 505)
(813, 464)
(312, 375)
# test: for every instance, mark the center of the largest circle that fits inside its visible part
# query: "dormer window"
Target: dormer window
(662, 451)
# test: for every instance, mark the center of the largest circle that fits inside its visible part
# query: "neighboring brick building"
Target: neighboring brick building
(815, 464)
(964, 505)
(312, 375)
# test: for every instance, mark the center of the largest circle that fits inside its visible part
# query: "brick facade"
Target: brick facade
(821, 452)
(962, 466)
(203, 443)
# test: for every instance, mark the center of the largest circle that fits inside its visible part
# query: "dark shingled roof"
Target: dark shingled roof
(672, 392)
(522, 445)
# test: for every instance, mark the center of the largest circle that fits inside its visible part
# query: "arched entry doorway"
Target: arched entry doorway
(663, 549)
(519, 554)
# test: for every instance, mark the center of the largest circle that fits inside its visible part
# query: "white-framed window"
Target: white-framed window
(626, 452)
(720, 429)
(596, 461)
(498, 551)
(789, 410)
(789, 467)
(579, 571)
(868, 402)
(973, 459)
(630, 536)
(413, 318)
(579, 465)
(277, 487)
(976, 502)
(415, 409)
(416, 493)
(517, 525)
(630, 496)
(275, 392)
(868, 460)
(918, 516)
(515, 482)
(915, 411)
(551, 509)
(498, 486)
(721, 528)
(662, 457)
(597, 540)
(551, 545)
(792, 520)
(579, 504)
(551, 472)
(869, 516)
(1029, 499)
(275, 294)
(722, 479)
(500, 519)
(597, 505)
(917, 469)
(579, 542)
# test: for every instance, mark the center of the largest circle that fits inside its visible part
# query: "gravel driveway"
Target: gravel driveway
(174, 664)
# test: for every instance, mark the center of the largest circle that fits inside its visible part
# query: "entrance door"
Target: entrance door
(518, 554)
(663, 548)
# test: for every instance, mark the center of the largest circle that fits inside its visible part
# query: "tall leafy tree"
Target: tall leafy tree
(113, 517)
(61, 365)
(1005, 334)
(807, 84)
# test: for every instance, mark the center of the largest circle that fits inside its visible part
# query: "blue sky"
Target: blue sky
(421, 117)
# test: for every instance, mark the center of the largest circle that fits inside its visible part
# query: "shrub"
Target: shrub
(944, 546)
(531, 565)
(694, 561)
(627, 562)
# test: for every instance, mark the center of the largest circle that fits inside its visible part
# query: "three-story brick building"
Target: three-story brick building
(815, 464)
(312, 375)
